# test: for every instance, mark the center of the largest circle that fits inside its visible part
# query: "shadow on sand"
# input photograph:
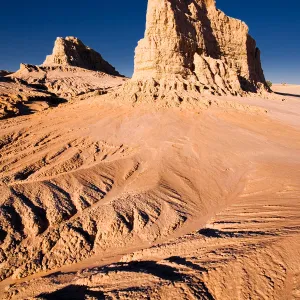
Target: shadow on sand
(162, 271)
(75, 292)
(287, 95)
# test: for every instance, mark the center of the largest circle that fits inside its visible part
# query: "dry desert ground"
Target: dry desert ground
(114, 201)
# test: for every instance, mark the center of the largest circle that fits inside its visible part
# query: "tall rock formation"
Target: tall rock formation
(191, 45)
(70, 51)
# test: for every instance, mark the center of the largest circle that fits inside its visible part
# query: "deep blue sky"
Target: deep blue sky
(28, 30)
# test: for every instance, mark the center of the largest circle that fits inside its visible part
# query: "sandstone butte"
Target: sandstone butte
(70, 51)
(192, 46)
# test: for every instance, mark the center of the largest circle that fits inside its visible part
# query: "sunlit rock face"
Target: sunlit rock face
(193, 40)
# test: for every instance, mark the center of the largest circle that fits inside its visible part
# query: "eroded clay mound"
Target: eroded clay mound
(68, 82)
(70, 51)
(73, 72)
(195, 45)
(17, 97)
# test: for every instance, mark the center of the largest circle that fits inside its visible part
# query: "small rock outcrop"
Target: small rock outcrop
(70, 51)
(17, 97)
(4, 73)
(191, 46)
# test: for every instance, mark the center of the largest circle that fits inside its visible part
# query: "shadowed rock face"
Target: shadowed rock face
(70, 51)
(4, 73)
(193, 40)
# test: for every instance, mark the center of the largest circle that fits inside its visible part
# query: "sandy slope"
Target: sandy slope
(103, 200)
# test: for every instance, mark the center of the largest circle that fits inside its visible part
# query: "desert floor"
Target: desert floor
(103, 200)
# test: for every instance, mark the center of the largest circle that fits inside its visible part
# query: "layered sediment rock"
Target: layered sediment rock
(70, 51)
(190, 45)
